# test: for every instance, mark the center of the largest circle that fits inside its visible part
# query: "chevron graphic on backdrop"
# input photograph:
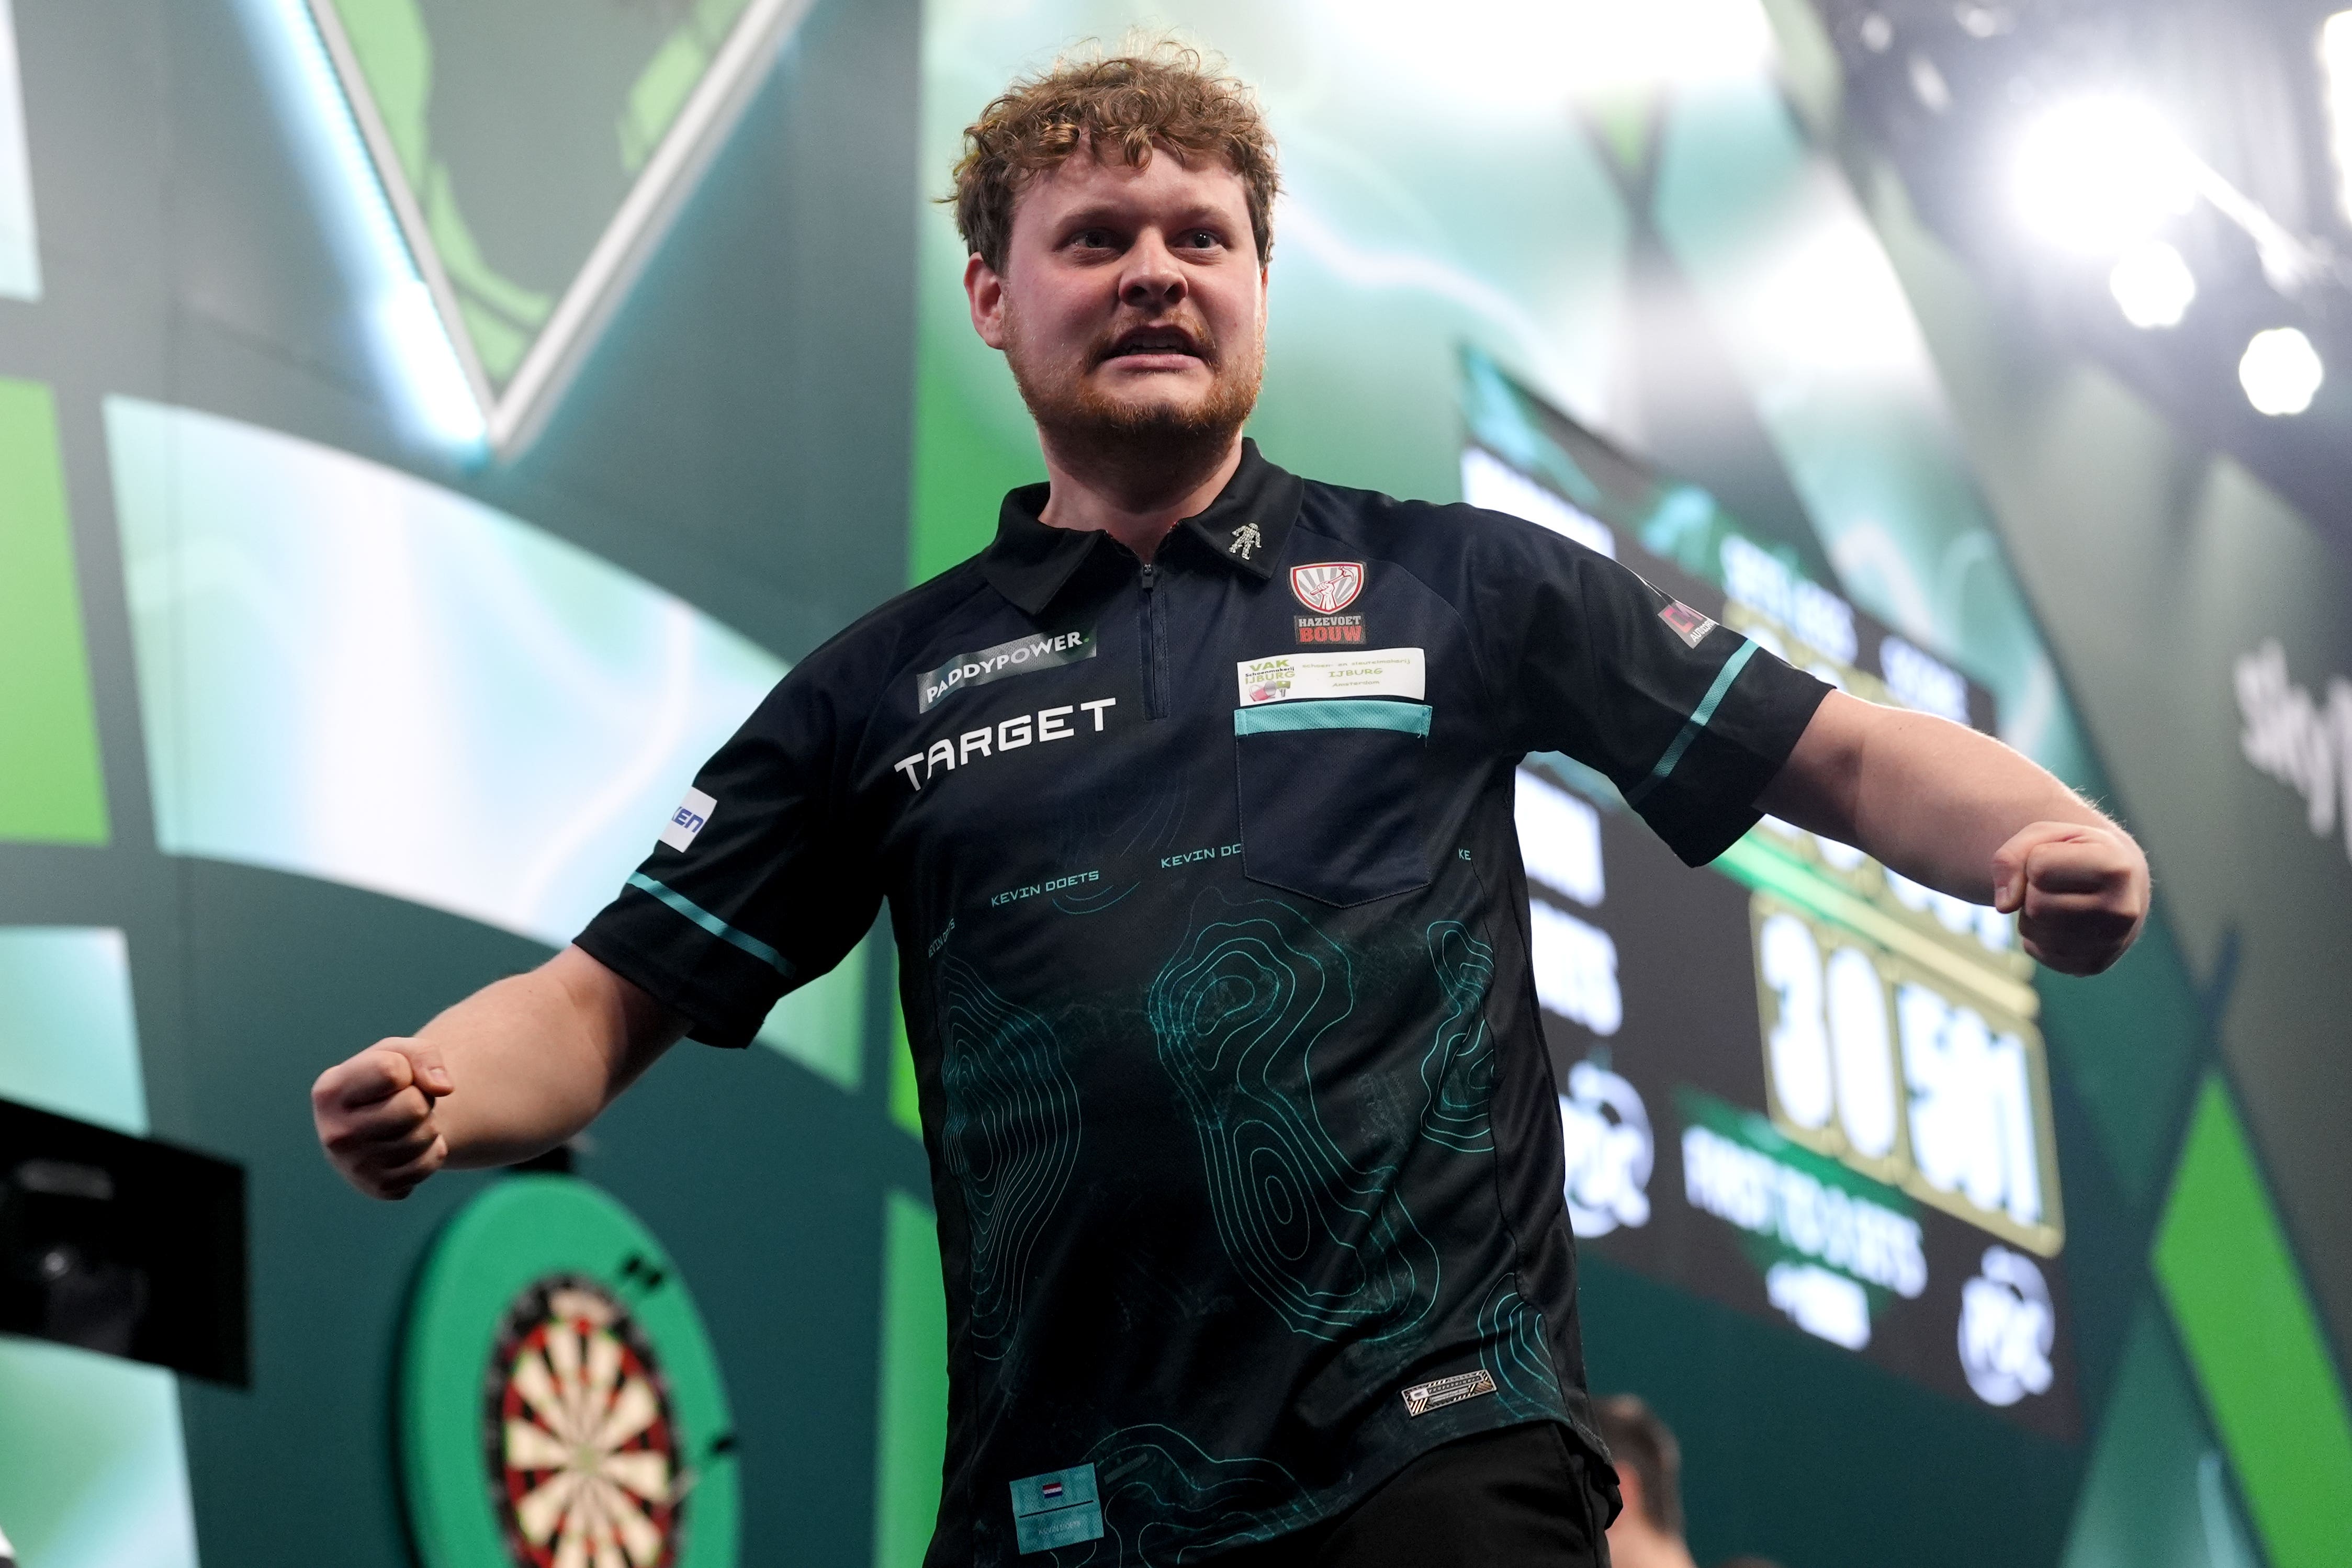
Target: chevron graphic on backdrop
(529, 214)
(2253, 1335)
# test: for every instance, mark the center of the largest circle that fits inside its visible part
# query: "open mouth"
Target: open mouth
(1155, 343)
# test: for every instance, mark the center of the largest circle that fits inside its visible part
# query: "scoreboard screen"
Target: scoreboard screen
(1796, 1082)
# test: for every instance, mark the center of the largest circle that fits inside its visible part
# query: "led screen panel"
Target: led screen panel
(1800, 1084)
(348, 673)
(92, 1467)
(92, 1470)
(68, 1039)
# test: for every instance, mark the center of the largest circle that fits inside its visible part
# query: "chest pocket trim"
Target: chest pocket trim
(1332, 795)
(1333, 713)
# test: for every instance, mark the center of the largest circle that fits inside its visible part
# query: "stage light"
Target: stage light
(2153, 285)
(2281, 372)
(2335, 65)
(2096, 174)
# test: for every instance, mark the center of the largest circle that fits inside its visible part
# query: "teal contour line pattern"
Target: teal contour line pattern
(1010, 1137)
(1458, 1069)
(711, 923)
(1515, 1351)
(1236, 1012)
(1165, 1500)
(1692, 726)
(1332, 712)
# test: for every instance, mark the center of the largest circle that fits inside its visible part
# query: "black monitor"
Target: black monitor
(123, 1245)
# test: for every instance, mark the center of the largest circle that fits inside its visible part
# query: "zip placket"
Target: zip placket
(1155, 650)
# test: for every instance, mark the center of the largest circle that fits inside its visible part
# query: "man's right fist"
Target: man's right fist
(374, 1114)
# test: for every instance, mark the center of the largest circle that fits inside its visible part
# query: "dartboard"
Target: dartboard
(560, 1407)
(577, 1427)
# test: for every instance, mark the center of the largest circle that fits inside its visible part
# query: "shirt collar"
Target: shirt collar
(1031, 562)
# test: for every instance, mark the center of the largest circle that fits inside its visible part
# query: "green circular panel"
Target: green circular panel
(560, 1406)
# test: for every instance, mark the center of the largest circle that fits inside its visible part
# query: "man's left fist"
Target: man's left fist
(2079, 892)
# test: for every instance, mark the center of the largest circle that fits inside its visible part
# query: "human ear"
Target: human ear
(985, 290)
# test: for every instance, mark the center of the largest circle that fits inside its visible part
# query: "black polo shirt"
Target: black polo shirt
(1214, 956)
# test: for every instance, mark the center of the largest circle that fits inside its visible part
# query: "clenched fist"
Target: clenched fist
(2080, 893)
(374, 1114)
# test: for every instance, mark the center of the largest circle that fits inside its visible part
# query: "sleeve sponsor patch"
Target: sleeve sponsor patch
(689, 819)
(1686, 623)
(1375, 673)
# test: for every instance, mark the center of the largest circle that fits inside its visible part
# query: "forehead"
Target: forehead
(1166, 186)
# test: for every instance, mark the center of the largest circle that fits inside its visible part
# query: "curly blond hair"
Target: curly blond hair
(1165, 95)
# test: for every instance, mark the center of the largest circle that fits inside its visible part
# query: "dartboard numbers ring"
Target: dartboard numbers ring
(559, 1404)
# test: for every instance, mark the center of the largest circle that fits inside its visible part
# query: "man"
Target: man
(1214, 943)
(1648, 1530)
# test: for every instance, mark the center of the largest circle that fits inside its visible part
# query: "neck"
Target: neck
(1134, 492)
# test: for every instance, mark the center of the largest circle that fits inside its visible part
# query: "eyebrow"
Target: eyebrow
(1193, 217)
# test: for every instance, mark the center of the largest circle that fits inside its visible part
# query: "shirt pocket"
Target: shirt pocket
(1331, 792)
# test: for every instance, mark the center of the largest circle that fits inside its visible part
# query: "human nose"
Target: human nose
(1153, 280)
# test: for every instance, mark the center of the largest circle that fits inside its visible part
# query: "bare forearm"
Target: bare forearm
(1965, 814)
(1935, 801)
(532, 1068)
(510, 1073)
(1929, 798)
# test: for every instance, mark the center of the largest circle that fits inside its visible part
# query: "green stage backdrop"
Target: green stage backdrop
(318, 709)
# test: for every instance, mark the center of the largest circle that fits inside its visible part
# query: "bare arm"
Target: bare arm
(510, 1073)
(1965, 814)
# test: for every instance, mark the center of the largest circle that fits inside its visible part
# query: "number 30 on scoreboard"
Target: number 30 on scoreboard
(1907, 1074)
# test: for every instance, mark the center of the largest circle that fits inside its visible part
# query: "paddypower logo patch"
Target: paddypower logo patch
(1018, 657)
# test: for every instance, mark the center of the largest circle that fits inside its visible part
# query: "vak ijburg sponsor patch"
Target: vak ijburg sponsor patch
(1018, 657)
(1374, 673)
(1327, 587)
(1424, 1397)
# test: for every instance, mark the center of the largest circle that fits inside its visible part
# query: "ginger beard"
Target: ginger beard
(1148, 438)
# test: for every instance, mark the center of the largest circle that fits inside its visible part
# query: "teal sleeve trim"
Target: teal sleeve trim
(1332, 712)
(711, 923)
(1696, 723)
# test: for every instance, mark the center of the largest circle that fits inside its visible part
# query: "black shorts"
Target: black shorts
(1519, 1498)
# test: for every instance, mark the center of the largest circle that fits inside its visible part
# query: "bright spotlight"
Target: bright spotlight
(2335, 65)
(2281, 372)
(2153, 285)
(2099, 173)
